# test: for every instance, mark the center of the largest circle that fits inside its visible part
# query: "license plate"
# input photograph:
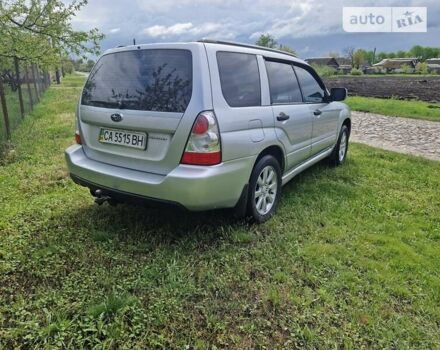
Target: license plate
(124, 138)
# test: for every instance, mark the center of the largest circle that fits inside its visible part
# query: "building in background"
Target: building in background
(323, 61)
(396, 65)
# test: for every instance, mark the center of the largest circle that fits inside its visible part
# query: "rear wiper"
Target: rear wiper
(102, 103)
(110, 104)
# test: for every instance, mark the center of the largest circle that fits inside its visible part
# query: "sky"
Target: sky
(312, 28)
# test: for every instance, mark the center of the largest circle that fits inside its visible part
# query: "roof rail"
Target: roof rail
(232, 43)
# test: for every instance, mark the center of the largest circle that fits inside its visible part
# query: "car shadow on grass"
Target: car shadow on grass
(156, 223)
(162, 224)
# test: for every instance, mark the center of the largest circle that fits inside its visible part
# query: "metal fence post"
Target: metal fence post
(5, 110)
(31, 100)
(35, 83)
(40, 81)
(20, 94)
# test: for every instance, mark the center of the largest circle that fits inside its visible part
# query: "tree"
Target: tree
(77, 63)
(381, 56)
(417, 51)
(68, 66)
(40, 31)
(90, 64)
(286, 48)
(358, 58)
(370, 56)
(431, 52)
(266, 40)
(424, 53)
(349, 53)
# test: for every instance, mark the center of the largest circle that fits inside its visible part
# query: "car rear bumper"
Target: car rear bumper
(194, 187)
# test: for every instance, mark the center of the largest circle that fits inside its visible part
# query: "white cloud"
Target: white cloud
(182, 29)
(114, 30)
(163, 6)
(296, 23)
(163, 31)
(309, 18)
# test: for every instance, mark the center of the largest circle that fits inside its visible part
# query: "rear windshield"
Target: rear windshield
(149, 80)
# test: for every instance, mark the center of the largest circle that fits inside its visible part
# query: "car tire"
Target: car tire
(264, 189)
(339, 153)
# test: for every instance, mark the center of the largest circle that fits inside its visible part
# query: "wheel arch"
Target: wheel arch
(275, 151)
(347, 122)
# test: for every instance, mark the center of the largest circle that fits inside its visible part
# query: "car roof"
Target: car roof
(218, 45)
(252, 49)
(250, 46)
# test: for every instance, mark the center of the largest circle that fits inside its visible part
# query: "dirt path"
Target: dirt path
(404, 135)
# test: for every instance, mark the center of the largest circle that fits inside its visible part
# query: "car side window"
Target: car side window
(239, 79)
(312, 91)
(283, 84)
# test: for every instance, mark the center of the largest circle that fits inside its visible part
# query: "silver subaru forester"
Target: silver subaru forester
(205, 125)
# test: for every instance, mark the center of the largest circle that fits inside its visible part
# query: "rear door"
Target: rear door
(138, 105)
(293, 119)
(237, 98)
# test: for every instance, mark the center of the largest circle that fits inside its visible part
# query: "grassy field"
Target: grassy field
(396, 108)
(351, 260)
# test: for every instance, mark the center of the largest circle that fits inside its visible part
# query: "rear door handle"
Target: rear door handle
(282, 117)
(317, 112)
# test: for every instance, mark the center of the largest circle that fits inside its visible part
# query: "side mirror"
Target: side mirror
(338, 94)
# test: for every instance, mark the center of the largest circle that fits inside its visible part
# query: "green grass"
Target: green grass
(350, 261)
(396, 108)
(13, 106)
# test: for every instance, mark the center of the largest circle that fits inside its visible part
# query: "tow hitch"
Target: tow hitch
(100, 197)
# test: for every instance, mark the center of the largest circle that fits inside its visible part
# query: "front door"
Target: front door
(325, 115)
(293, 119)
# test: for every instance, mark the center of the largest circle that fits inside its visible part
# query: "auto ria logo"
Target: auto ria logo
(384, 19)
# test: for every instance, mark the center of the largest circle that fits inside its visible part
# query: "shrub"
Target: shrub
(405, 68)
(422, 68)
(68, 67)
(356, 71)
(324, 71)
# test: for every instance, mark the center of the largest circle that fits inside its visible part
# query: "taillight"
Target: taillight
(203, 146)
(201, 125)
(78, 138)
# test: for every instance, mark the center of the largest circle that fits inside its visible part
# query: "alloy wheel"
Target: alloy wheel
(266, 190)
